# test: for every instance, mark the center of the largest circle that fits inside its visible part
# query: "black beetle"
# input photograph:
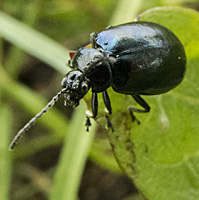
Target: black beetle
(137, 58)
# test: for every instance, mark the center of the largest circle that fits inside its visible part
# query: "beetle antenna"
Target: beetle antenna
(34, 119)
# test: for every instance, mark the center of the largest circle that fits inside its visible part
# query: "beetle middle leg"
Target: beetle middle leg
(109, 124)
(142, 103)
(107, 103)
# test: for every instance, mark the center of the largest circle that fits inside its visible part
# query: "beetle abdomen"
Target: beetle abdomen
(153, 72)
(150, 58)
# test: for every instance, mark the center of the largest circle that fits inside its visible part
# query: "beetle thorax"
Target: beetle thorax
(95, 64)
(100, 75)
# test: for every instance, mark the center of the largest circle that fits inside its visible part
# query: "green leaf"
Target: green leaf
(125, 13)
(161, 155)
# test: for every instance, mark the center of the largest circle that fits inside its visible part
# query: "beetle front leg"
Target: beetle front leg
(94, 104)
(142, 103)
(93, 37)
(94, 107)
(138, 18)
(88, 123)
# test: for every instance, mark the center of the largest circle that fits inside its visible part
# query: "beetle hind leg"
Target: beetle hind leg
(131, 110)
(142, 103)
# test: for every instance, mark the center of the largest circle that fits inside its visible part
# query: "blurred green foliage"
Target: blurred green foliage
(68, 23)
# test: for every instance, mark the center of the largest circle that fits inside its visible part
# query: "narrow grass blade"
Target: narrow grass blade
(5, 160)
(73, 158)
(33, 42)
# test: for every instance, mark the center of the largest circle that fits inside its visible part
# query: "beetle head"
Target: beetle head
(77, 85)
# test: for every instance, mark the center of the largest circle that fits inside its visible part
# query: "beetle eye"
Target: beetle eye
(72, 78)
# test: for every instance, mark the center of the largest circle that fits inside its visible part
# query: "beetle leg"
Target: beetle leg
(93, 37)
(142, 103)
(94, 106)
(138, 18)
(88, 123)
(107, 101)
(109, 125)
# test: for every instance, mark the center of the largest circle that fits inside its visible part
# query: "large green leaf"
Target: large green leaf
(161, 155)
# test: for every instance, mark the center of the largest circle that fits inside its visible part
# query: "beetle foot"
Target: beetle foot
(88, 123)
(133, 116)
(109, 125)
(138, 18)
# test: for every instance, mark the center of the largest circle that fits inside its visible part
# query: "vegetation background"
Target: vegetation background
(57, 158)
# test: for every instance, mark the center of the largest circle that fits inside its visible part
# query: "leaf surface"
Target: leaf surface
(161, 155)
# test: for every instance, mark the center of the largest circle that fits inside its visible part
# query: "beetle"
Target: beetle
(136, 58)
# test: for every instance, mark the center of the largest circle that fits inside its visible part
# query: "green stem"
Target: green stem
(73, 158)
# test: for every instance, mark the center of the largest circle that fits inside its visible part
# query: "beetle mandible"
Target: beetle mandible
(137, 58)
